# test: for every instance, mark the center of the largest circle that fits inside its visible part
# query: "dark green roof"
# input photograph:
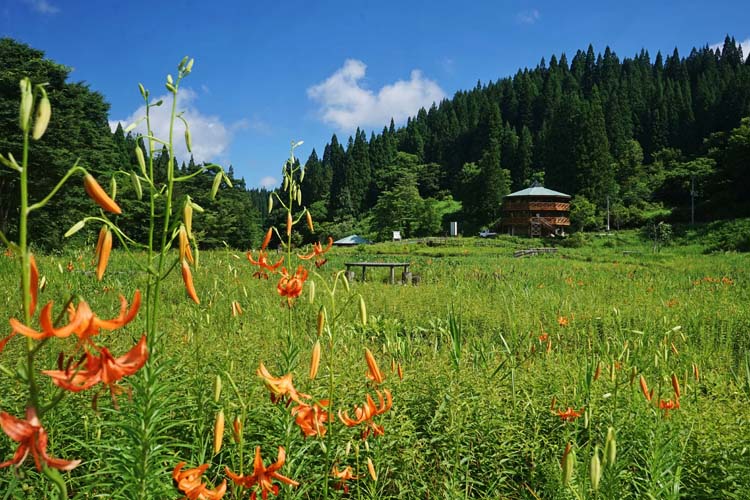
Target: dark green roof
(538, 190)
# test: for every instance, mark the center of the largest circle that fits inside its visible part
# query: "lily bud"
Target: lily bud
(569, 460)
(676, 386)
(309, 221)
(188, 139)
(596, 470)
(321, 321)
(373, 371)
(136, 182)
(96, 193)
(312, 292)
(187, 278)
(644, 389)
(289, 224)
(103, 250)
(27, 102)
(362, 311)
(218, 432)
(141, 159)
(610, 447)
(371, 469)
(267, 238)
(315, 362)
(33, 284)
(217, 388)
(270, 203)
(237, 430)
(185, 252)
(43, 114)
(216, 184)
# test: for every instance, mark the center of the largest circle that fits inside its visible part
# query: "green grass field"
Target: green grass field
(486, 342)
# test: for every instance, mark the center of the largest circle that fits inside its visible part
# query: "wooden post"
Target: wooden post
(364, 270)
(393, 275)
(349, 276)
(406, 277)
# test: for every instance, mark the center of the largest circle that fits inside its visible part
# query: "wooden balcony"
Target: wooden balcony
(525, 221)
(536, 206)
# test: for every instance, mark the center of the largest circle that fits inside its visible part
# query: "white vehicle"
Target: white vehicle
(486, 233)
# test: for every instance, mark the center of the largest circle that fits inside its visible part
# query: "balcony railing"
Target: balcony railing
(536, 206)
(525, 221)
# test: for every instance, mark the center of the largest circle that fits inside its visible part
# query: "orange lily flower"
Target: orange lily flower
(343, 476)
(365, 414)
(280, 387)
(562, 321)
(570, 414)
(83, 322)
(317, 251)
(96, 193)
(291, 286)
(189, 482)
(263, 476)
(669, 405)
(103, 249)
(262, 263)
(373, 371)
(32, 438)
(105, 369)
(311, 418)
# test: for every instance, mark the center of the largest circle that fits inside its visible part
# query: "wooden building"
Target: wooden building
(535, 211)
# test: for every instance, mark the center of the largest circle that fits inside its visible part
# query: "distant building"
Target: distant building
(535, 211)
(351, 241)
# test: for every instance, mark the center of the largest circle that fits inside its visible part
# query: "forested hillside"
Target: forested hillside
(635, 131)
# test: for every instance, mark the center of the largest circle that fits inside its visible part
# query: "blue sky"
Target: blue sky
(268, 72)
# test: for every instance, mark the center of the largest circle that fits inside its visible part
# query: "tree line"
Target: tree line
(638, 133)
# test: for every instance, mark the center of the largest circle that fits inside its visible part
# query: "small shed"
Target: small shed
(535, 211)
(351, 241)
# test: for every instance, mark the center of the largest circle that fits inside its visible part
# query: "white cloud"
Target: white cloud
(528, 16)
(43, 7)
(745, 44)
(347, 105)
(269, 182)
(210, 136)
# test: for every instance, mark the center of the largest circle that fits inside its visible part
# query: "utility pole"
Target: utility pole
(692, 200)
(607, 213)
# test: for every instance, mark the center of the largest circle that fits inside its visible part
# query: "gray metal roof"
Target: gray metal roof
(351, 240)
(537, 190)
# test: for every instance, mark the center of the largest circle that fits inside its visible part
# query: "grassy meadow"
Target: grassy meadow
(492, 348)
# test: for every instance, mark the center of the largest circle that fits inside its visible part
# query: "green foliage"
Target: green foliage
(583, 214)
(726, 236)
